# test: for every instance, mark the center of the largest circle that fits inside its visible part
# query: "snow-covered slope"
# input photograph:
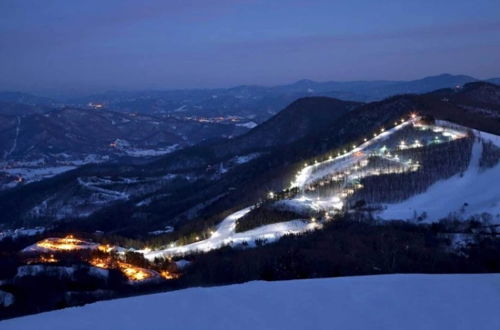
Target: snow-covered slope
(474, 192)
(226, 235)
(366, 302)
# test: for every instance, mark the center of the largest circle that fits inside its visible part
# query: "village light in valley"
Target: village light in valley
(134, 273)
(48, 259)
(105, 248)
(67, 243)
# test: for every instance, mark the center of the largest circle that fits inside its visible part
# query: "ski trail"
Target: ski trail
(109, 192)
(306, 175)
(225, 235)
(476, 152)
(14, 145)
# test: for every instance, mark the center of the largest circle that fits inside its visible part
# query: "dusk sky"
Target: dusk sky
(126, 44)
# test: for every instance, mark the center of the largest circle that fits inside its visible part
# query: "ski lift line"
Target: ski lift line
(303, 175)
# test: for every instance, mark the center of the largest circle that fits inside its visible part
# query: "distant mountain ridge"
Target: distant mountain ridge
(25, 98)
(249, 101)
(73, 133)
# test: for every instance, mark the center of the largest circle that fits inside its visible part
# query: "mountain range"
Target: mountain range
(115, 196)
(249, 101)
(36, 128)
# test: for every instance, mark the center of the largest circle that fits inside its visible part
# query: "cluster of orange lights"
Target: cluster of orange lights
(105, 248)
(133, 273)
(43, 259)
(67, 243)
(101, 263)
(70, 243)
(168, 275)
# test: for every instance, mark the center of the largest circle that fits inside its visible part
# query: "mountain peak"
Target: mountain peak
(304, 82)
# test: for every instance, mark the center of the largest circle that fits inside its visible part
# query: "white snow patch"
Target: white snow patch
(226, 235)
(135, 152)
(34, 270)
(14, 144)
(495, 139)
(246, 158)
(166, 230)
(479, 189)
(180, 109)
(183, 263)
(6, 299)
(250, 124)
(389, 302)
(20, 232)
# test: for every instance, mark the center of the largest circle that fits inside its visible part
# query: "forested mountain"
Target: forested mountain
(74, 134)
(244, 168)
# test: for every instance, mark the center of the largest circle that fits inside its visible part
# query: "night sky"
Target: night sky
(90, 45)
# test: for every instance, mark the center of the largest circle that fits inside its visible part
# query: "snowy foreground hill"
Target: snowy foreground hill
(365, 302)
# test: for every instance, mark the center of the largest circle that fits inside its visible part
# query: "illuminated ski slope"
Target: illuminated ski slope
(225, 233)
(345, 160)
(475, 192)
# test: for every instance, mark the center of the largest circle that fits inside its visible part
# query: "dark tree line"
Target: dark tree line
(490, 155)
(437, 162)
(264, 215)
